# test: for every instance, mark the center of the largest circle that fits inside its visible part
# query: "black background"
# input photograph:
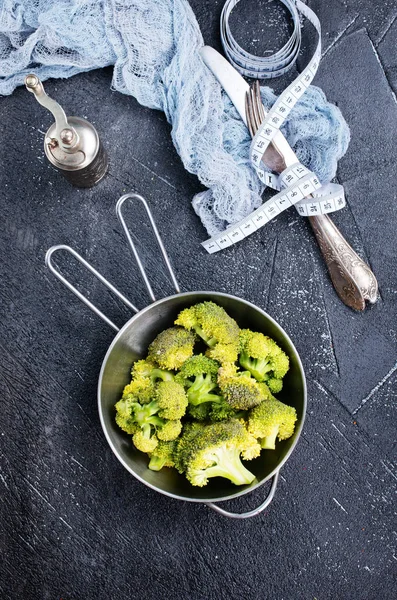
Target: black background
(75, 524)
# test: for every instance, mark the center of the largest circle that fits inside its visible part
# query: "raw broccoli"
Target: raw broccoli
(199, 375)
(263, 358)
(171, 399)
(157, 420)
(214, 450)
(240, 390)
(144, 440)
(170, 430)
(223, 353)
(162, 456)
(124, 415)
(213, 411)
(214, 326)
(275, 385)
(142, 390)
(172, 347)
(144, 376)
(264, 388)
(201, 412)
(220, 411)
(270, 420)
(143, 369)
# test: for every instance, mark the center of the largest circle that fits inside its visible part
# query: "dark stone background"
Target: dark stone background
(75, 524)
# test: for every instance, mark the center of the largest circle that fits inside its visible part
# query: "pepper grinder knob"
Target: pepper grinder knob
(71, 144)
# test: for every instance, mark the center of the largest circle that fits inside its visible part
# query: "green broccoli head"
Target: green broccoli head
(213, 411)
(169, 430)
(154, 420)
(240, 390)
(262, 357)
(145, 374)
(212, 323)
(214, 450)
(270, 420)
(172, 347)
(139, 420)
(171, 399)
(234, 412)
(201, 412)
(124, 418)
(223, 353)
(162, 456)
(144, 440)
(222, 411)
(264, 388)
(199, 375)
(148, 369)
(141, 390)
(274, 385)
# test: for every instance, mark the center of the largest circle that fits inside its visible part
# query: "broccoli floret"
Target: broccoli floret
(223, 353)
(144, 369)
(124, 418)
(263, 358)
(162, 456)
(264, 388)
(142, 390)
(270, 420)
(141, 420)
(145, 374)
(214, 450)
(172, 347)
(275, 385)
(240, 390)
(158, 419)
(214, 326)
(171, 399)
(201, 412)
(213, 411)
(221, 411)
(199, 376)
(169, 430)
(144, 440)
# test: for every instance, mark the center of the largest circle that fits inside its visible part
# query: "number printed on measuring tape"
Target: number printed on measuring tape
(297, 185)
(330, 200)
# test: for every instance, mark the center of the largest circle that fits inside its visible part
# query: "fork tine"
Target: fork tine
(254, 108)
(248, 112)
(255, 111)
(258, 100)
(253, 116)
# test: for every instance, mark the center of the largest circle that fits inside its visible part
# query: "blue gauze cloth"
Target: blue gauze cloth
(153, 46)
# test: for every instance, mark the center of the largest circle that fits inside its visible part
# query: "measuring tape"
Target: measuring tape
(297, 182)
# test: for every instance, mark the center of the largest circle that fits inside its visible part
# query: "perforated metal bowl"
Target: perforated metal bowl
(131, 343)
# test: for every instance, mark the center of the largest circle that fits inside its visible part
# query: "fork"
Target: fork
(352, 278)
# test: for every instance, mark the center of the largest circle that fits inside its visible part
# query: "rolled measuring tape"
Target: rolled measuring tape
(297, 185)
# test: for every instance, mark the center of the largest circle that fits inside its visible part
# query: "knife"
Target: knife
(353, 280)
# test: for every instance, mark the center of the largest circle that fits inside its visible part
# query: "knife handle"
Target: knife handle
(353, 280)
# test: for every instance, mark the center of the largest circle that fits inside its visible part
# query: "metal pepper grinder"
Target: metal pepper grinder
(71, 144)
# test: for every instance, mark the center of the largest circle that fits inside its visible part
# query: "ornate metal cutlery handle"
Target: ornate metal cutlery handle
(353, 280)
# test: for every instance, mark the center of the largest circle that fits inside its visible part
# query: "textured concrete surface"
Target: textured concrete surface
(75, 524)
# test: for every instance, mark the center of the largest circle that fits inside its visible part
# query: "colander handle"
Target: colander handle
(250, 513)
(76, 292)
(120, 217)
(111, 287)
